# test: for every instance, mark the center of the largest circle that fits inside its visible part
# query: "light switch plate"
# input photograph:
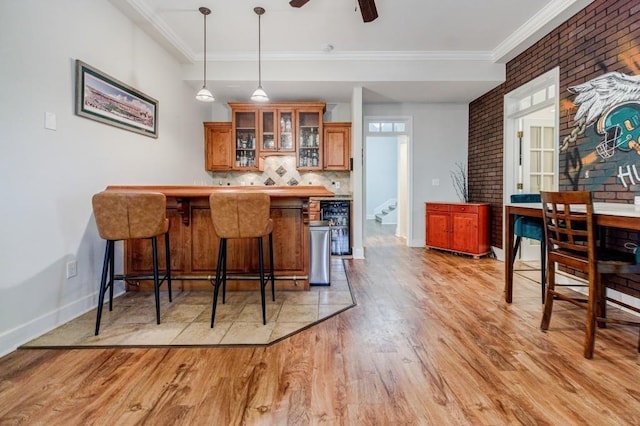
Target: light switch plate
(49, 121)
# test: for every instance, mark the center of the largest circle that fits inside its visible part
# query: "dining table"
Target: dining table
(606, 214)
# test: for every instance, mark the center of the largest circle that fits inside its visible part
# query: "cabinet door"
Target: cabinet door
(438, 229)
(217, 146)
(267, 135)
(464, 232)
(286, 126)
(245, 133)
(309, 139)
(337, 146)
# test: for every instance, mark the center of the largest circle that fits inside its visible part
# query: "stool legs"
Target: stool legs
(167, 260)
(220, 278)
(107, 269)
(272, 274)
(543, 261)
(263, 282)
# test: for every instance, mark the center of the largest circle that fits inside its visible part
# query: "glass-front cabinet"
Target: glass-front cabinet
(282, 128)
(245, 131)
(277, 131)
(309, 139)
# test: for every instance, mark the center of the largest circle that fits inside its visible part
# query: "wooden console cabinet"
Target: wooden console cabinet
(458, 227)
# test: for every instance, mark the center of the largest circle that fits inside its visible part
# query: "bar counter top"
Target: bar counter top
(300, 191)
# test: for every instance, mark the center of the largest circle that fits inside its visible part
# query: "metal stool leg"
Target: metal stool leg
(262, 280)
(156, 279)
(272, 273)
(103, 282)
(167, 261)
(222, 247)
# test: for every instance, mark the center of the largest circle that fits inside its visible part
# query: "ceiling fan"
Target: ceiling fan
(367, 8)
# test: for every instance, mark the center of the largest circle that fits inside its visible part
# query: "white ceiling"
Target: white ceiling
(416, 51)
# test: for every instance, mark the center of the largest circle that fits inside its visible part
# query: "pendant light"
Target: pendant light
(204, 94)
(259, 95)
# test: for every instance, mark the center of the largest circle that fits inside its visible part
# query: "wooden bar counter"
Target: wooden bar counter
(194, 244)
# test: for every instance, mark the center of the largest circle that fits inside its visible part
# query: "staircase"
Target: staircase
(387, 213)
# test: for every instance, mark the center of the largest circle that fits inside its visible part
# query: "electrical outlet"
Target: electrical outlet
(337, 185)
(72, 268)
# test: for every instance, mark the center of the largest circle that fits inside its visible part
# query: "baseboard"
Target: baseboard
(358, 253)
(12, 339)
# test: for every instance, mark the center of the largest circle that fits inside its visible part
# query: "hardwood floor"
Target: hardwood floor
(431, 342)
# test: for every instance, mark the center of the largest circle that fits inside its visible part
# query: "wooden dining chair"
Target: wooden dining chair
(570, 233)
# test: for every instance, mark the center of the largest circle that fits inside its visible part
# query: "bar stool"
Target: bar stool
(241, 215)
(571, 242)
(131, 215)
(532, 228)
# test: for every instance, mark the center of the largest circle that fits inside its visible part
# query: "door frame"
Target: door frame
(408, 172)
(517, 104)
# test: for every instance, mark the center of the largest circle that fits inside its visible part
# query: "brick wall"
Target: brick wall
(603, 37)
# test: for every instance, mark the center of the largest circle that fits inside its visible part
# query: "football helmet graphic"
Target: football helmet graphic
(620, 126)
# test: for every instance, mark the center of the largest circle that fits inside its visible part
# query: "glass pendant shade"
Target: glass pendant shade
(204, 95)
(259, 95)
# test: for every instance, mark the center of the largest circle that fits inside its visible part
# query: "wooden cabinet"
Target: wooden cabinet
(194, 246)
(337, 146)
(458, 227)
(309, 132)
(246, 138)
(217, 146)
(259, 130)
(314, 210)
(292, 128)
(277, 131)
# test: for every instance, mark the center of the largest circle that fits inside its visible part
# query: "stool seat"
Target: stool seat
(236, 216)
(131, 215)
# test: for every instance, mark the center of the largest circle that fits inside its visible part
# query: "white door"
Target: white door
(538, 165)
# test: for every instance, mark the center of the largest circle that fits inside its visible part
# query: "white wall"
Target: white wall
(381, 159)
(48, 177)
(439, 140)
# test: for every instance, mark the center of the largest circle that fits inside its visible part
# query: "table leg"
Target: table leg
(508, 254)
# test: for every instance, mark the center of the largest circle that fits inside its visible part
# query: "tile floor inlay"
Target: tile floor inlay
(186, 321)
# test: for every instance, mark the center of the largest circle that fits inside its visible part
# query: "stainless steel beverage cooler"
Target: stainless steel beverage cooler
(319, 253)
(338, 214)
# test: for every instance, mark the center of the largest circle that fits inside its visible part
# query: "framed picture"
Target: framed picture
(110, 101)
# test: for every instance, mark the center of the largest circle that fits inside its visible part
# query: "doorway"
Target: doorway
(386, 173)
(530, 148)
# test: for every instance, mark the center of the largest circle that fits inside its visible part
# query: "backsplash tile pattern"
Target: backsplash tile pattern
(281, 170)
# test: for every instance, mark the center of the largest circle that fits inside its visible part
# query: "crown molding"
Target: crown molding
(353, 56)
(548, 18)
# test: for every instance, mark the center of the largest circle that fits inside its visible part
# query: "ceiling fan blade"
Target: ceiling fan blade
(368, 10)
(298, 3)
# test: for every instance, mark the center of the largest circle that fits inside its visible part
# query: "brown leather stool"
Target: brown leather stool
(131, 215)
(241, 215)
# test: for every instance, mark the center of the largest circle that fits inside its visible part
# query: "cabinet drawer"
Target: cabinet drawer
(464, 208)
(435, 207)
(314, 206)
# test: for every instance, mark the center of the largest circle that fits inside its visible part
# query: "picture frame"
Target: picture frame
(103, 98)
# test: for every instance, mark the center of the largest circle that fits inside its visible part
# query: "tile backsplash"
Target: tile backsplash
(281, 171)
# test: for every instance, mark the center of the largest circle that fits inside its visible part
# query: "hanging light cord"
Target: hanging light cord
(204, 79)
(259, 51)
